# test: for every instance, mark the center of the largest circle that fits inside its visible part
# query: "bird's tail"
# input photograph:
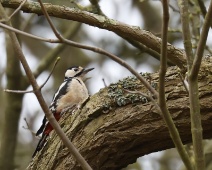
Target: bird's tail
(41, 144)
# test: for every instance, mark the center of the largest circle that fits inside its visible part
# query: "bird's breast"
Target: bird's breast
(76, 94)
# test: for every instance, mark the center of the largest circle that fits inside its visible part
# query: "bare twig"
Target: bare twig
(27, 34)
(162, 99)
(186, 31)
(202, 7)
(27, 128)
(196, 127)
(201, 45)
(17, 9)
(95, 3)
(18, 91)
(173, 8)
(26, 123)
(40, 87)
(104, 82)
(183, 82)
(58, 59)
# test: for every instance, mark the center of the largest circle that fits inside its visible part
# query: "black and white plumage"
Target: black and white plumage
(72, 92)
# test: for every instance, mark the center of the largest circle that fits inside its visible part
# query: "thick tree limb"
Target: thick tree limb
(110, 136)
(134, 33)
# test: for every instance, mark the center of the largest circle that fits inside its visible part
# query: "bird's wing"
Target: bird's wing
(62, 90)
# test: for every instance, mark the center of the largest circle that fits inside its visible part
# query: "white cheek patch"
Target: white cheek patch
(70, 73)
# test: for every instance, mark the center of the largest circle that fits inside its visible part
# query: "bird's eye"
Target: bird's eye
(76, 69)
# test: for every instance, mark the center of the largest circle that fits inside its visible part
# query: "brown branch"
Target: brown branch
(184, 82)
(202, 7)
(24, 1)
(57, 60)
(201, 45)
(27, 128)
(18, 91)
(162, 99)
(27, 34)
(196, 125)
(175, 55)
(186, 32)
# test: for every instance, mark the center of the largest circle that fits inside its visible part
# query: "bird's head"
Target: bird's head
(76, 71)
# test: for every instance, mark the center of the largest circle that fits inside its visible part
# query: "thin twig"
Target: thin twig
(27, 128)
(57, 60)
(174, 9)
(196, 127)
(201, 44)
(18, 91)
(186, 31)
(162, 99)
(26, 123)
(105, 85)
(183, 82)
(40, 87)
(28, 35)
(17, 9)
(95, 3)
(202, 7)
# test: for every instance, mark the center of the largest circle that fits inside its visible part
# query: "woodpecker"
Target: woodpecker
(72, 92)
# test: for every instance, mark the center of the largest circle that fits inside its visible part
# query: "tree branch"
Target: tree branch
(162, 98)
(201, 44)
(196, 124)
(175, 55)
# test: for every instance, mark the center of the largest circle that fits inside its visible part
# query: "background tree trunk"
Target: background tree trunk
(13, 106)
(116, 127)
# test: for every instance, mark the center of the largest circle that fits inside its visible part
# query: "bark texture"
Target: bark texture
(114, 127)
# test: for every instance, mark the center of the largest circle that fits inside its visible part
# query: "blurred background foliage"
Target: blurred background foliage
(144, 13)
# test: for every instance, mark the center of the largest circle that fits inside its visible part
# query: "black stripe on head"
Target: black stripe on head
(70, 68)
(78, 74)
(75, 71)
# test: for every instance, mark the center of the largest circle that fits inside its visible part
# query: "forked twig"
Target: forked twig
(40, 87)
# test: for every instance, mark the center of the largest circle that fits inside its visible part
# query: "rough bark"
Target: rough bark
(115, 127)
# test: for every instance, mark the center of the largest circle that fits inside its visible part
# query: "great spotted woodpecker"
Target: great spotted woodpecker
(72, 92)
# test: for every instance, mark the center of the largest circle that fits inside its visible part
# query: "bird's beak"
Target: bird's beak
(85, 71)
